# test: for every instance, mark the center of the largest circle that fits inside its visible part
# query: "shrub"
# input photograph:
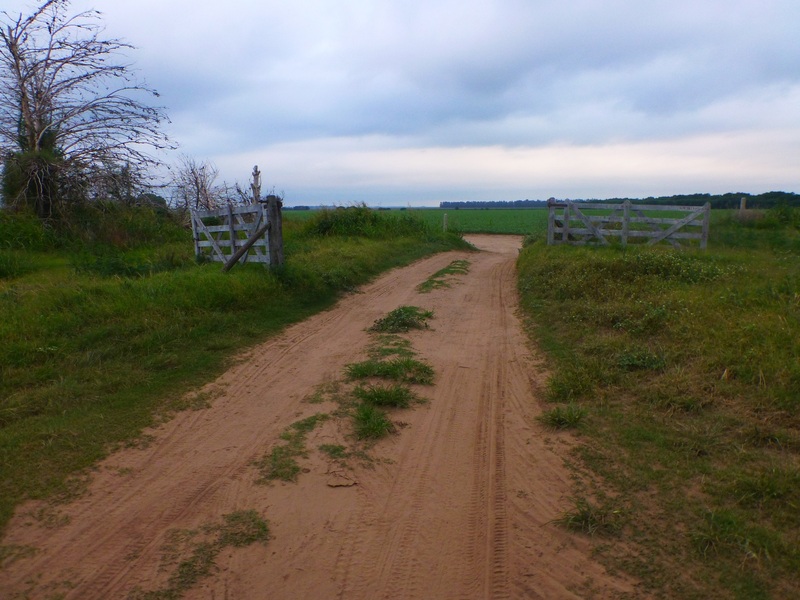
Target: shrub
(363, 221)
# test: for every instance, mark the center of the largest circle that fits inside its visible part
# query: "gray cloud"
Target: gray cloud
(250, 76)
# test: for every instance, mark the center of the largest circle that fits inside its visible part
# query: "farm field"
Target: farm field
(511, 221)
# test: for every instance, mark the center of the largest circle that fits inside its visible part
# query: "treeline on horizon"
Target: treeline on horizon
(729, 200)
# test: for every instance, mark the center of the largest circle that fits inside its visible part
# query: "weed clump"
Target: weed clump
(591, 519)
(564, 417)
(403, 369)
(371, 423)
(394, 396)
(403, 319)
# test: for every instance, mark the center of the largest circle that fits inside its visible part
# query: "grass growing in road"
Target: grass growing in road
(402, 320)
(387, 345)
(442, 277)
(371, 422)
(394, 396)
(281, 462)
(403, 369)
(193, 553)
(334, 451)
(689, 363)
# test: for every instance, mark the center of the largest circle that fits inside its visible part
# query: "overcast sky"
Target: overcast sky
(416, 101)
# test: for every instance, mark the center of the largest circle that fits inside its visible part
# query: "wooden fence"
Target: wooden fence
(572, 223)
(240, 234)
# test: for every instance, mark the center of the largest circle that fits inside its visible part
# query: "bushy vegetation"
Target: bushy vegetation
(689, 363)
(363, 221)
(110, 321)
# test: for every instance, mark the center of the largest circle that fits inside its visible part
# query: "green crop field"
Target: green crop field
(522, 221)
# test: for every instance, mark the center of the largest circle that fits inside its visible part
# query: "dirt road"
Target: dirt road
(457, 504)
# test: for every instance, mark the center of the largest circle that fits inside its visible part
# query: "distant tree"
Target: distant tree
(195, 184)
(68, 107)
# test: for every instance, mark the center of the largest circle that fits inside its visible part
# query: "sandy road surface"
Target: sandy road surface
(456, 505)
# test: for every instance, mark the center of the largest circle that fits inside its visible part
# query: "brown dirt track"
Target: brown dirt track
(458, 504)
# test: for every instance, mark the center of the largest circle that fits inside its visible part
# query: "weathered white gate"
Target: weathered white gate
(570, 223)
(220, 233)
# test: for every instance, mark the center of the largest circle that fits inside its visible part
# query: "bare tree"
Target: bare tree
(68, 105)
(195, 184)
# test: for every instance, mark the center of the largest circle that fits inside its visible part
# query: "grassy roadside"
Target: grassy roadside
(685, 368)
(101, 339)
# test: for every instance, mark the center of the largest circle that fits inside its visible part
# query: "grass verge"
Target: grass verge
(569, 416)
(690, 365)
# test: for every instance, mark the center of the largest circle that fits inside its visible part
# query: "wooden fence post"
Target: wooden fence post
(706, 225)
(551, 222)
(275, 219)
(231, 229)
(255, 186)
(195, 236)
(626, 222)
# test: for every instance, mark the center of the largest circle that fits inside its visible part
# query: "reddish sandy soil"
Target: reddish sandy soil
(457, 504)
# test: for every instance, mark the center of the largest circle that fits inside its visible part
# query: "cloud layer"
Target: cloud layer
(416, 102)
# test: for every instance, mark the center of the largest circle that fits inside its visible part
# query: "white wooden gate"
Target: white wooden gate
(219, 233)
(587, 223)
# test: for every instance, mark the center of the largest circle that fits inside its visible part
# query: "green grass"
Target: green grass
(689, 363)
(193, 553)
(334, 451)
(592, 518)
(393, 396)
(402, 369)
(403, 319)
(442, 278)
(521, 221)
(386, 345)
(108, 323)
(569, 416)
(281, 461)
(371, 422)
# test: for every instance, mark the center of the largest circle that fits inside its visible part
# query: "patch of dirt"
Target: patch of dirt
(457, 504)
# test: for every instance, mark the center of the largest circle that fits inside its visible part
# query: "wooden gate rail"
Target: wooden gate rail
(234, 227)
(567, 223)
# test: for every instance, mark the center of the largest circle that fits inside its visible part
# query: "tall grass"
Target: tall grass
(97, 341)
(690, 365)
